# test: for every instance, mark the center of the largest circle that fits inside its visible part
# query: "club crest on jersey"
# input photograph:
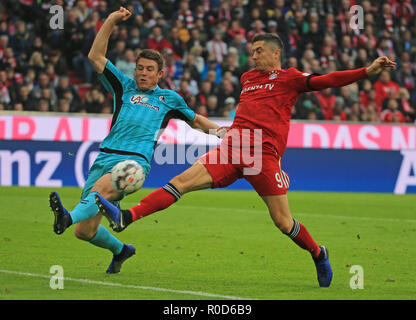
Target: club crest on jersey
(162, 98)
(273, 76)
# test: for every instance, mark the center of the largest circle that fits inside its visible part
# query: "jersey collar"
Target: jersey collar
(151, 91)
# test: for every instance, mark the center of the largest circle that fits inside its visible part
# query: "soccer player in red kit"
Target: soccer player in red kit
(262, 122)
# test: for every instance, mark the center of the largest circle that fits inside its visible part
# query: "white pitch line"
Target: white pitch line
(318, 215)
(128, 286)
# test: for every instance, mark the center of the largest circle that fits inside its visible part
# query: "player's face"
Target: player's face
(266, 58)
(147, 74)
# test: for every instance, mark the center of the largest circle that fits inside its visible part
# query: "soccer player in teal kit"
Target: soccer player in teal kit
(141, 109)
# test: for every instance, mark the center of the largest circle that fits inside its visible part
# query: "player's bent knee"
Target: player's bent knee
(84, 233)
(284, 225)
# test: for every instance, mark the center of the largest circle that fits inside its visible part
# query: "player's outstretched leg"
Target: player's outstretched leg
(115, 265)
(158, 200)
(323, 267)
(62, 217)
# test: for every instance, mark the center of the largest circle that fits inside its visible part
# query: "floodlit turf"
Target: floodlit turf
(213, 242)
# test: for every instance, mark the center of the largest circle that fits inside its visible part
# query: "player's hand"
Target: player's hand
(120, 15)
(221, 131)
(380, 64)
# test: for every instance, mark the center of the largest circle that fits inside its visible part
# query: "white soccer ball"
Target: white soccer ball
(127, 176)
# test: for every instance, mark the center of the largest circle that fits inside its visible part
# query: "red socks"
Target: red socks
(158, 200)
(303, 239)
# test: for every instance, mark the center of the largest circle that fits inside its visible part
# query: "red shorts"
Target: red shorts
(262, 169)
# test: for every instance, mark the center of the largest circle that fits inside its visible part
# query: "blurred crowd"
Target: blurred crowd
(206, 45)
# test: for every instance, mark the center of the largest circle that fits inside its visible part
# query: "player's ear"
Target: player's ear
(160, 74)
(277, 53)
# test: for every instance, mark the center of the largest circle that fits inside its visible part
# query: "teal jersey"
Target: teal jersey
(139, 116)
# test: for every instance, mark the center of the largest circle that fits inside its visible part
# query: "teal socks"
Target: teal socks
(86, 209)
(104, 239)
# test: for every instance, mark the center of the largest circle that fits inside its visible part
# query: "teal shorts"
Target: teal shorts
(104, 163)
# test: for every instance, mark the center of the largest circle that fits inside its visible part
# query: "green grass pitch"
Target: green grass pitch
(213, 245)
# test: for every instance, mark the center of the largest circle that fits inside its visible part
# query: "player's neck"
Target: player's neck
(147, 89)
(275, 67)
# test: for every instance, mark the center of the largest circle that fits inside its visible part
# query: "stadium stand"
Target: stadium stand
(206, 44)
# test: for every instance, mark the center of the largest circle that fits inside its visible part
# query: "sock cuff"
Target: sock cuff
(295, 230)
(172, 190)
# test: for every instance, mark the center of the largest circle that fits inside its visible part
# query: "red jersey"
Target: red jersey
(266, 102)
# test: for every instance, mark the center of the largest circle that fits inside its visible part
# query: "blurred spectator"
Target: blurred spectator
(205, 92)
(127, 63)
(338, 112)
(408, 110)
(178, 45)
(37, 63)
(24, 98)
(199, 62)
(217, 48)
(229, 108)
(157, 41)
(212, 106)
(65, 90)
(192, 83)
(4, 96)
(226, 90)
(21, 41)
(117, 52)
(235, 30)
(64, 105)
(194, 40)
(59, 63)
(184, 91)
(405, 76)
(94, 101)
(46, 93)
(326, 100)
(81, 63)
(184, 14)
(134, 41)
(392, 113)
(257, 27)
(43, 105)
(370, 114)
(383, 85)
(202, 109)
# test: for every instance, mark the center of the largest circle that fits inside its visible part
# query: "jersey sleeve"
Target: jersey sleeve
(300, 81)
(182, 111)
(113, 80)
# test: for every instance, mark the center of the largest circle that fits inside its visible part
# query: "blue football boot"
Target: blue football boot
(62, 217)
(113, 214)
(115, 265)
(323, 268)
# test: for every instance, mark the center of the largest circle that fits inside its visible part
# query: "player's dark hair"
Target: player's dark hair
(271, 39)
(152, 55)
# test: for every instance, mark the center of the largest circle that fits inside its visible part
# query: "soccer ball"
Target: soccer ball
(127, 176)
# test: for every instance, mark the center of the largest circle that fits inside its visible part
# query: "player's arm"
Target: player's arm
(99, 47)
(338, 79)
(207, 126)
